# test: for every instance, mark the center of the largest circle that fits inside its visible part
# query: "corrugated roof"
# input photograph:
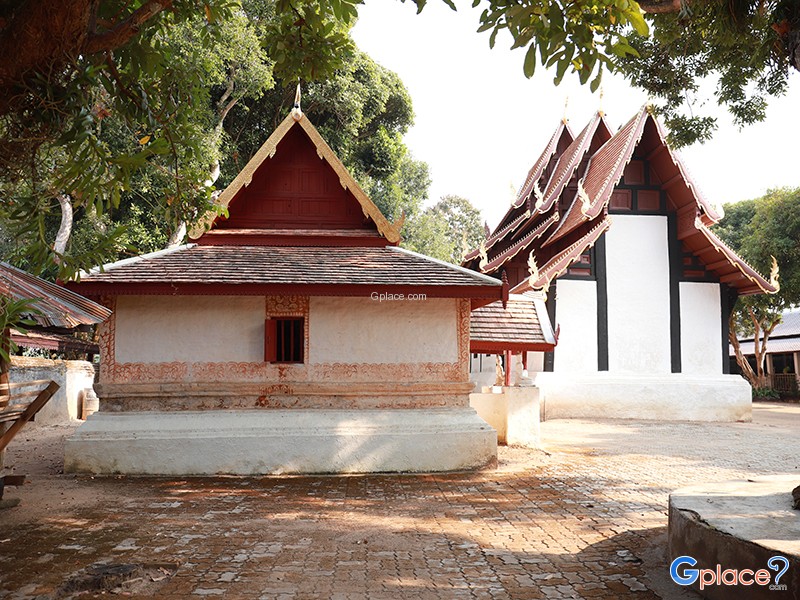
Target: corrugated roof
(774, 346)
(285, 265)
(59, 307)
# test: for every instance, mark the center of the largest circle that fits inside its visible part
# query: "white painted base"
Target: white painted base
(514, 414)
(669, 397)
(272, 441)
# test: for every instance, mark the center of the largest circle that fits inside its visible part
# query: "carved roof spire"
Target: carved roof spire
(297, 113)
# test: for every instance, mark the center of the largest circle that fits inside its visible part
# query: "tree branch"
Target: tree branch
(125, 30)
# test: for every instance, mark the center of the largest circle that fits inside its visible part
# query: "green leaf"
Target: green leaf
(529, 66)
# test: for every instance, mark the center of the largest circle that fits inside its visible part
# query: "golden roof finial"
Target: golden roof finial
(533, 269)
(600, 111)
(482, 253)
(297, 113)
(586, 202)
(564, 119)
(774, 275)
(539, 195)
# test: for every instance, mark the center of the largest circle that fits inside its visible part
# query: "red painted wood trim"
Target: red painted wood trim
(295, 240)
(89, 288)
(484, 347)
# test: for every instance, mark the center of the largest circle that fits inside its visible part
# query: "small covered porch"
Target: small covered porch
(501, 336)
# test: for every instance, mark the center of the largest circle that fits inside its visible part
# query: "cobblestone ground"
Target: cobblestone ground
(584, 519)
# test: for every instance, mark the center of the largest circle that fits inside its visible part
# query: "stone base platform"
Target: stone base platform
(666, 397)
(739, 525)
(274, 441)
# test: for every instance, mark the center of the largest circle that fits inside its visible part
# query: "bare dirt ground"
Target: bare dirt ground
(583, 518)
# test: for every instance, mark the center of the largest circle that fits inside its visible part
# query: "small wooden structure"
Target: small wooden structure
(57, 311)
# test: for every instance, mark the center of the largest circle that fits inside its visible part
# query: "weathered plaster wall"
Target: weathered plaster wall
(159, 329)
(362, 330)
(73, 377)
(431, 341)
(701, 328)
(576, 314)
(637, 267)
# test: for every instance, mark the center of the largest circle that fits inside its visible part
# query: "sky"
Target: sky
(480, 124)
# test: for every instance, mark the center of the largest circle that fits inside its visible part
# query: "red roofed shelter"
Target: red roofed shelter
(293, 335)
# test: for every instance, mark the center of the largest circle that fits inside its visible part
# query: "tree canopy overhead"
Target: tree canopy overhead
(95, 94)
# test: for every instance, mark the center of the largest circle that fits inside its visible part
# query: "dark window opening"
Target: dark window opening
(284, 340)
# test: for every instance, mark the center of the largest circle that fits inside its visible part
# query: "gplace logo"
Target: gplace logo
(687, 576)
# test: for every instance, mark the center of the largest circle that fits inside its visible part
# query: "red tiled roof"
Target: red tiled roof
(571, 159)
(602, 174)
(194, 266)
(58, 306)
(522, 325)
(559, 263)
(518, 212)
(521, 244)
(736, 270)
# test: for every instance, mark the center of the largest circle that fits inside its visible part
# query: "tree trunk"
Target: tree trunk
(65, 229)
(744, 365)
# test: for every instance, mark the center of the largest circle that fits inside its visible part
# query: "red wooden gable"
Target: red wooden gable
(295, 189)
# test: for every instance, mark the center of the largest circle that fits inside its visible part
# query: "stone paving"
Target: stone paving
(586, 518)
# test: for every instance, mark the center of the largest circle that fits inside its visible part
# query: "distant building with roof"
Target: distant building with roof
(291, 335)
(782, 360)
(609, 225)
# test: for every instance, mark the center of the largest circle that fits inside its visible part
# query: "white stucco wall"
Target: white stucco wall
(576, 314)
(154, 329)
(637, 265)
(72, 376)
(701, 328)
(362, 330)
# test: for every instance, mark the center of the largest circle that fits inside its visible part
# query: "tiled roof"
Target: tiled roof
(521, 244)
(523, 322)
(789, 327)
(518, 213)
(59, 307)
(284, 265)
(559, 263)
(571, 159)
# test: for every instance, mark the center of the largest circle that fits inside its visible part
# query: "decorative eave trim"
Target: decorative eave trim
(324, 151)
(747, 272)
(501, 259)
(576, 215)
(709, 213)
(534, 174)
(562, 261)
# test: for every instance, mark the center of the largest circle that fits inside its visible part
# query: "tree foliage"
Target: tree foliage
(746, 48)
(759, 230)
(447, 230)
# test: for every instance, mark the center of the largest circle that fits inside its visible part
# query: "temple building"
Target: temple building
(291, 335)
(639, 289)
